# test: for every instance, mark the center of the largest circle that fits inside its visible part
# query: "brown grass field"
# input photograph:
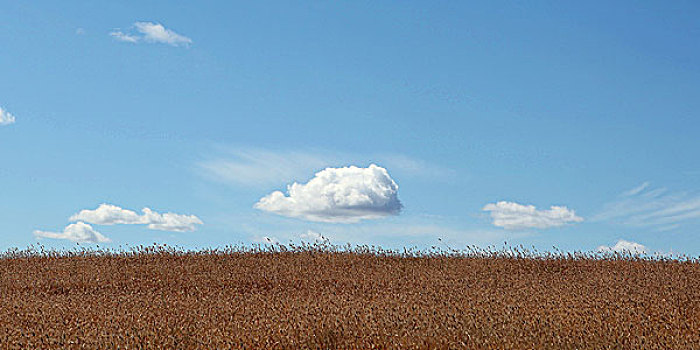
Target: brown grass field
(314, 297)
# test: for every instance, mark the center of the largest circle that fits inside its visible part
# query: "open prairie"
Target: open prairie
(323, 297)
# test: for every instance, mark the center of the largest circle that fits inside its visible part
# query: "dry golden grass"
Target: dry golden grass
(361, 298)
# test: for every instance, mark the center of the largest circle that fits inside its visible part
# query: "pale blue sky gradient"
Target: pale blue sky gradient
(464, 103)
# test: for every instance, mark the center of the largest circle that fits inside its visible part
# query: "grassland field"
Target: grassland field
(327, 297)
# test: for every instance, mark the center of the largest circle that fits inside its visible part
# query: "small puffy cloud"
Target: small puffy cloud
(623, 246)
(6, 118)
(151, 33)
(340, 195)
(514, 216)
(107, 214)
(155, 32)
(313, 236)
(170, 221)
(78, 232)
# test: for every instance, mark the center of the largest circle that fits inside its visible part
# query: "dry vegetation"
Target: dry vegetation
(326, 298)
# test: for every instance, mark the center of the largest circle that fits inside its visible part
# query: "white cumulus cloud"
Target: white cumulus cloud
(342, 195)
(623, 246)
(78, 232)
(170, 221)
(6, 118)
(152, 33)
(107, 214)
(514, 216)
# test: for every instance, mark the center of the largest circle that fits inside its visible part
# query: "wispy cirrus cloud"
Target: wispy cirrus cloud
(514, 216)
(150, 32)
(657, 208)
(259, 167)
(265, 167)
(340, 195)
(636, 190)
(6, 118)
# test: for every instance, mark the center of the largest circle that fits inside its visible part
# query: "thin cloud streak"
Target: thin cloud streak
(264, 168)
(257, 167)
(657, 208)
(637, 189)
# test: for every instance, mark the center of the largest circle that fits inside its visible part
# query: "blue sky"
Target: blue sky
(547, 124)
